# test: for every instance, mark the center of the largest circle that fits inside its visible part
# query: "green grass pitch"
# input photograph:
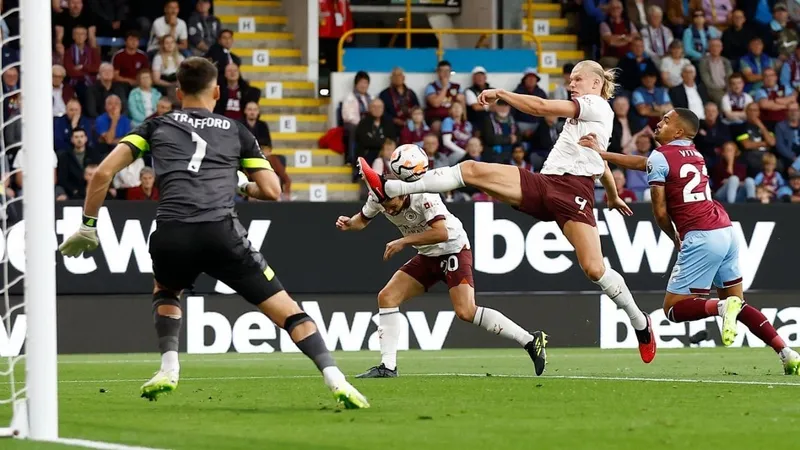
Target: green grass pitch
(587, 399)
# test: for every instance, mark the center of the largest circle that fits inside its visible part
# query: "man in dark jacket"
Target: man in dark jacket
(634, 65)
(71, 164)
(204, 29)
(221, 55)
(690, 94)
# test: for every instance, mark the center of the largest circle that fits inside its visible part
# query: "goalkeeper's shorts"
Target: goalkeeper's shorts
(181, 251)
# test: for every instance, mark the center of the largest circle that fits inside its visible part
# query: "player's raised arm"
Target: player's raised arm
(531, 104)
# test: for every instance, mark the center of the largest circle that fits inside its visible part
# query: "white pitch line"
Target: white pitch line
(98, 444)
(472, 375)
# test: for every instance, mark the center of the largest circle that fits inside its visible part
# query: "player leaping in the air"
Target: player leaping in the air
(702, 231)
(196, 155)
(562, 192)
(444, 255)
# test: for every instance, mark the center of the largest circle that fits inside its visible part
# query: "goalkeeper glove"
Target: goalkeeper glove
(84, 240)
(241, 187)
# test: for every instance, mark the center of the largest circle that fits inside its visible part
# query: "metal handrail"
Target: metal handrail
(438, 33)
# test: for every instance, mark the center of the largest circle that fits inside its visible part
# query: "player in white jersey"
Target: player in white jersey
(562, 192)
(443, 255)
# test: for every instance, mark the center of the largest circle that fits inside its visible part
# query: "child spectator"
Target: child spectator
(624, 193)
(165, 66)
(416, 128)
(791, 193)
(143, 100)
(518, 158)
(381, 163)
(769, 181)
(146, 189)
(128, 61)
(437, 159)
(456, 131)
(729, 177)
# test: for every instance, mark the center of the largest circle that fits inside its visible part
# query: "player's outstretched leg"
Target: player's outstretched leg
(586, 241)
(500, 181)
(167, 319)
(493, 321)
(286, 313)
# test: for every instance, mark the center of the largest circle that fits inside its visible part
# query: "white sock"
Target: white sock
(169, 361)
(389, 335)
(721, 308)
(496, 323)
(613, 285)
(443, 179)
(333, 377)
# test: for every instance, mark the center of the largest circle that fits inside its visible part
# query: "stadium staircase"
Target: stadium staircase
(298, 97)
(560, 41)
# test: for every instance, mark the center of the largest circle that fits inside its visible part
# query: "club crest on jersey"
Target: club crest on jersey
(410, 216)
(649, 167)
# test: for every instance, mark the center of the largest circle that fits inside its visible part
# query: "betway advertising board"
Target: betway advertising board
(216, 324)
(512, 252)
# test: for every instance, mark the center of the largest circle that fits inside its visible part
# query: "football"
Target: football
(409, 162)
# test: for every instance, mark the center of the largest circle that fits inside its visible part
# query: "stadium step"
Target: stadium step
(340, 174)
(336, 192)
(290, 88)
(277, 56)
(274, 73)
(317, 123)
(263, 40)
(557, 24)
(542, 10)
(294, 105)
(306, 139)
(244, 8)
(319, 157)
(263, 23)
(556, 42)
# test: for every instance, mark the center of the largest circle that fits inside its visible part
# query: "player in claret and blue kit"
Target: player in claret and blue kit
(702, 231)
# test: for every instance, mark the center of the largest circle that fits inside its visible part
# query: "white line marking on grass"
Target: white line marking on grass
(471, 375)
(98, 444)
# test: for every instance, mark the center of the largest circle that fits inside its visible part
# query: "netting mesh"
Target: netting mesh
(12, 386)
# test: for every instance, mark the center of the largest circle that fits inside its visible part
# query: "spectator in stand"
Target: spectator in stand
(656, 36)
(146, 190)
(221, 55)
(112, 125)
(591, 14)
(81, 62)
(787, 136)
(755, 139)
(790, 71)
(651, 102)
(561, 92)
(88, 174)
(715, 70)
(19, 166)
(633, 65)
(12, 106)
(143, 100)
(712, 135)
(67, 20)
(543, 140)
(500, 132)
(165, 67)
(110, 15)
(354, 109)
(791, 193)
(753, 65)
(398, 99)
(774, 99)
(616, 33)
(204, 29)
(456, 130)
(437, 159)
(72, 162)
(476, 113)
(440, 95)
(679, 12)
(696, 37)
(416, 128)
(784, 34)
(474, 150)
(372, 131)
(768, 181)
(164, 106)
(734, 103)
(235, 94)
(624, 193)
(624, 131)
(258, 127)
(101, 89)
(128, 178)
(528, 85)
(637, 12)
(729, 177)
(128, 61)
(169, 25)
(672, 65)
(637, 180)
(736, 38)
(518, 158)
(382, 163)
(718, 12)
(62, 93)
(64, 125)
(690, 94)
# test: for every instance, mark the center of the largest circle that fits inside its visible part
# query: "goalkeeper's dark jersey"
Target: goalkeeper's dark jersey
(195, 156)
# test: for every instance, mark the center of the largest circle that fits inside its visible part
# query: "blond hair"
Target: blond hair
(608, 77)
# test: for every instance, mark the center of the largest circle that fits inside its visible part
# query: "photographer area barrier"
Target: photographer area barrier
(512, 252)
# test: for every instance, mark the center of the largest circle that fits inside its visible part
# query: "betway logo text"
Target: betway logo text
(668, 333)
(545, 247)
(253, 332)
(117, 247)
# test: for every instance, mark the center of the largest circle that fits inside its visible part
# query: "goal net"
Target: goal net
(28, 374)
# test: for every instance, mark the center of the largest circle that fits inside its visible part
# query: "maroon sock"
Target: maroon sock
(693, 309)
(760, 326)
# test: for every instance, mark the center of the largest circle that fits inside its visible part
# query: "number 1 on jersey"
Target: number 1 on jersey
(199, 153)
